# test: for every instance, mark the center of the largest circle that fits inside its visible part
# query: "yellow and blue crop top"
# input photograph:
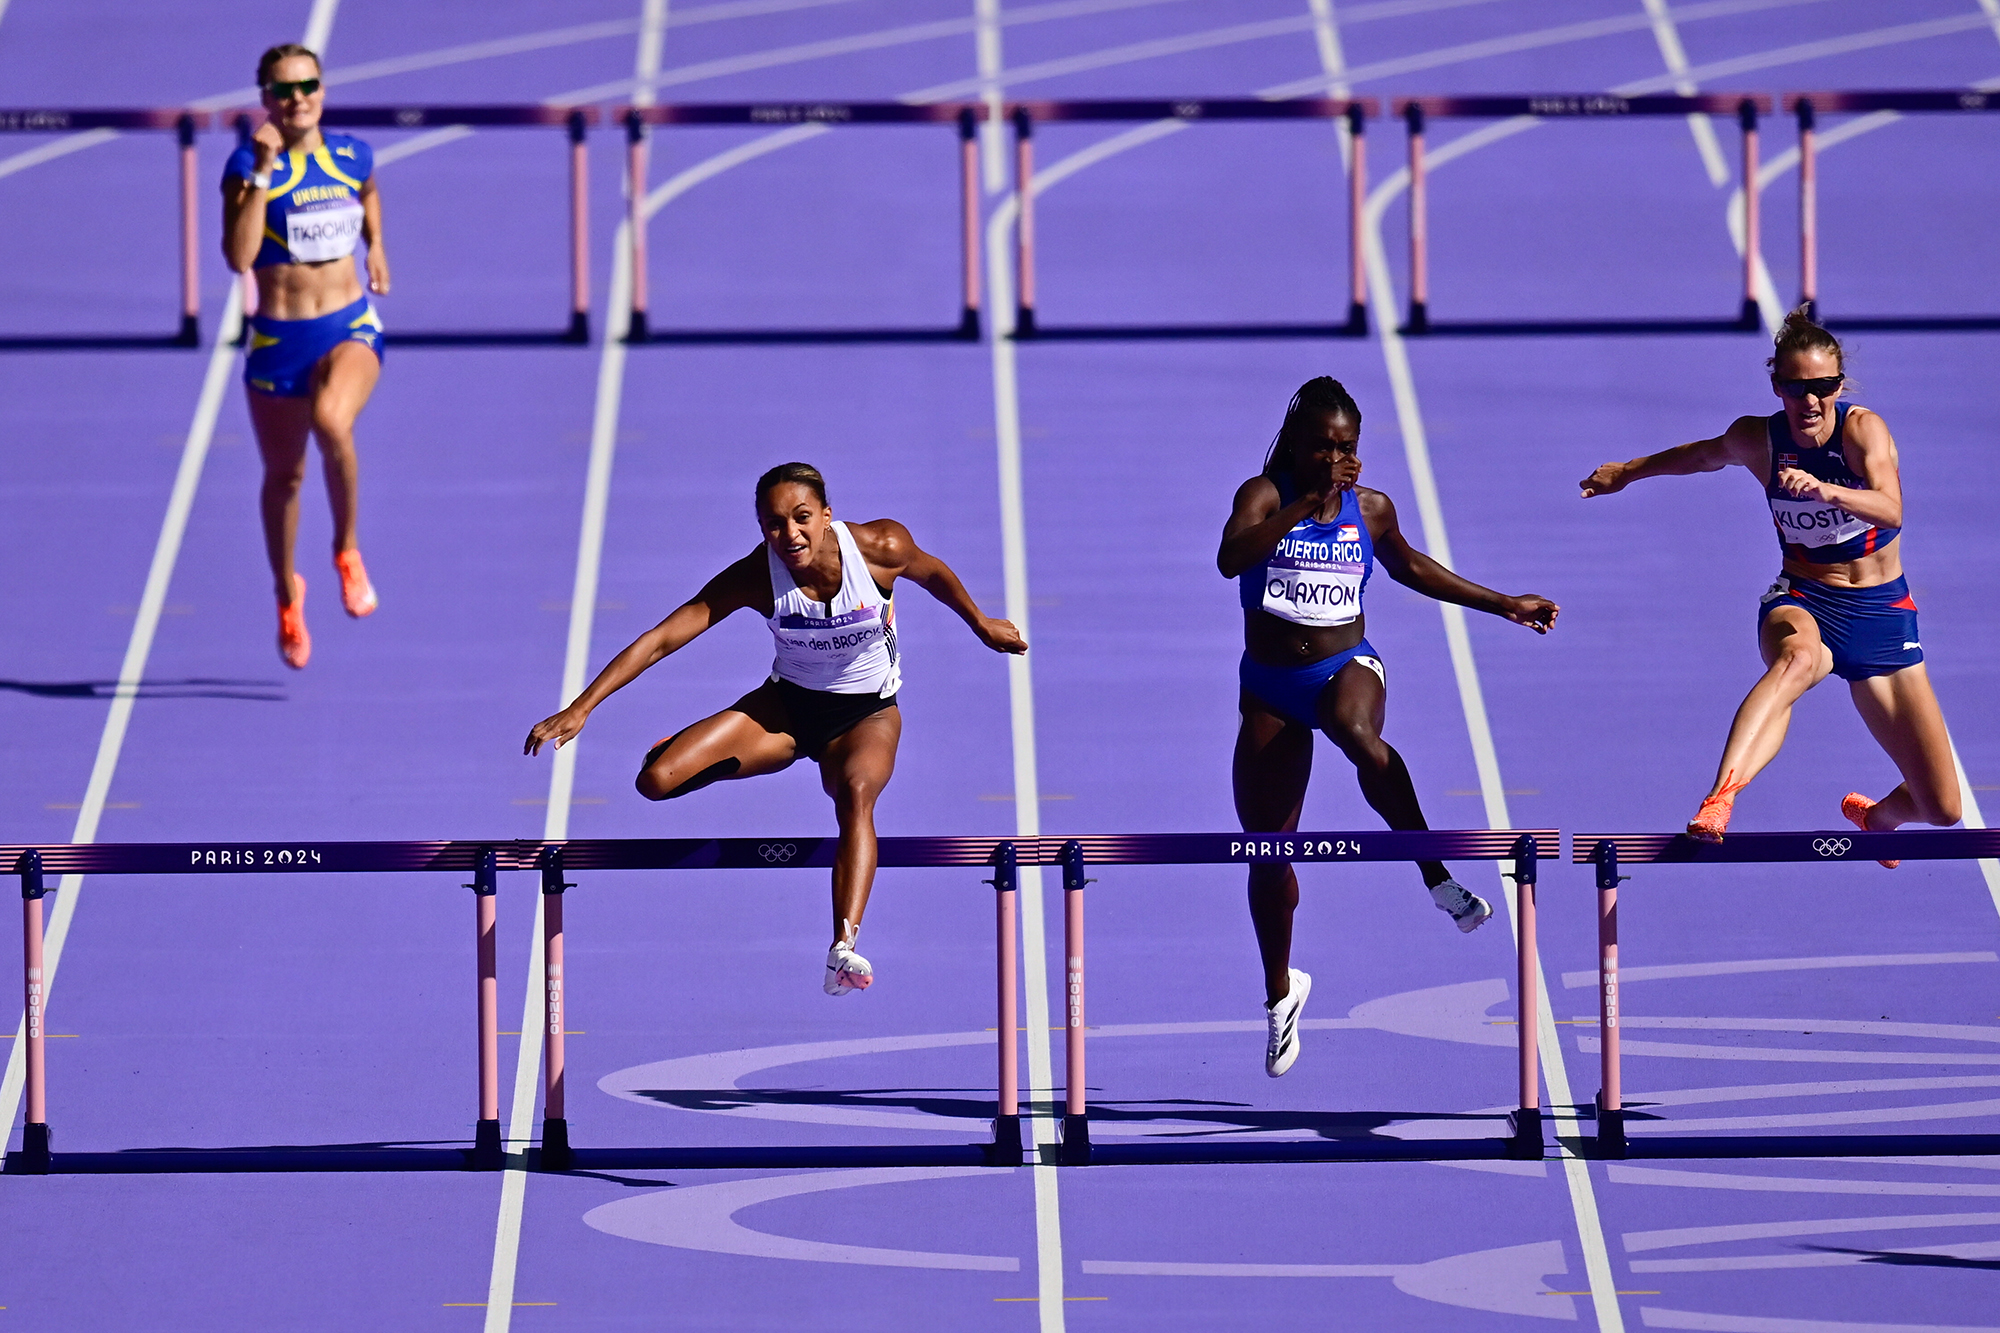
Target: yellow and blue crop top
(314, 213)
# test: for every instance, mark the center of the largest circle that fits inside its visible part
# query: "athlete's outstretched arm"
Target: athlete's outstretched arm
(733, 589)
(1413, 569)
(1743, 443)
(887, 545)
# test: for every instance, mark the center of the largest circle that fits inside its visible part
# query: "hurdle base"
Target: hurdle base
(1074, 1149)
(1420, 318)
(968, 324)
(1357, 320)
(636, 328)
(555, 1154)
(1751, 318)
(1611, 1140)
(1024, 322)
(34, 1158)
(579, 327)
(1524, 1135)
(487, 1152)
(1813, 1145)
(190, 334)
(1006, 1149)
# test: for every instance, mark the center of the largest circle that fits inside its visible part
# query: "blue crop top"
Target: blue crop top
(1813, 530)
(314, 213)
(1316, 575)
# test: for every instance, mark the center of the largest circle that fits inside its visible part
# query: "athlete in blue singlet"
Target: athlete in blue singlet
(296, 203)
(1302, 540)
(826, 590)
(1840, 605)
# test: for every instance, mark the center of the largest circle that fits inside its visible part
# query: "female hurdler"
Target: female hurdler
(1841, 604)
(295, 202)
(826, 590)
(1303, 539)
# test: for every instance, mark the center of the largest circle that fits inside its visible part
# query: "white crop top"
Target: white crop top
(846, 648)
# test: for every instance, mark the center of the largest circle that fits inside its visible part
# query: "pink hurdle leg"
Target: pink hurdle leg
(1007, 1122)
(1808, 212)
(1610, 1103)
(968, 174)
(1420, 270)
(1024, 224)
(1357, 203)
(635, 170)
(34, 1156)
(1528, 985)
(555, 1123)
(487, 1152)
(1076, 1120)
(579, 230)
(190, 334)
(1748, 117)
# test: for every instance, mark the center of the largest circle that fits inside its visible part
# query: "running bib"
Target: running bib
(1814, 522)
(1310, 581)
(329, 231)
(828, 639)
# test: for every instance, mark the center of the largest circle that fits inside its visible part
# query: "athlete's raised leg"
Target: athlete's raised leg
(344, 379)
(1269, 772)
(853, 769)
(1795, 660)
(1351, 709)
(750, 737)
(1902, 715)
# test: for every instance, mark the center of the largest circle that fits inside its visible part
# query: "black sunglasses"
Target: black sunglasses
(285, 91)
(1824, 387)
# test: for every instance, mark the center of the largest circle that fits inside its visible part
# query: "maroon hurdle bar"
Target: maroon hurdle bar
(1417, 112)
(1025, 115)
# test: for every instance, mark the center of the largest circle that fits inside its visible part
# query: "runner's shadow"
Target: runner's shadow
(197, 687)
(1911, 1260)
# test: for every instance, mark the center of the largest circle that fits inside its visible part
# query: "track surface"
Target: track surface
(246, 1011)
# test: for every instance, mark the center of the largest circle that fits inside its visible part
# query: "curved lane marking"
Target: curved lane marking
(703, 1217)
(1672, 971)
(1639, 1241)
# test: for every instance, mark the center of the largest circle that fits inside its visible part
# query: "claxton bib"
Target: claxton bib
(1317, 574)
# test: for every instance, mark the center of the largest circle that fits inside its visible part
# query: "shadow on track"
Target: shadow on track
(197, 687)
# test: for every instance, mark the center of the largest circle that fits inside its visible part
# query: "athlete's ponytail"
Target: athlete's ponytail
(1315, 398)
(1800, 334)
(800, 474)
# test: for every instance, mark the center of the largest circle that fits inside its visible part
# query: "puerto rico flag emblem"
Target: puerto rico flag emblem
(1347, 532)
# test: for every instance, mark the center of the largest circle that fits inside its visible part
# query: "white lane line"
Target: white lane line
(139, 647)
(1472, 700)
(319, 25)
(992, 135)
(1803, 51)
(55, 148)
(1668, 37)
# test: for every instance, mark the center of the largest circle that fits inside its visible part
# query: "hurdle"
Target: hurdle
(576, 121)
(183, 122)
(1417, 112)
(1609, 851)
(965, 116)
(1025, 115)
(1523, 847)
(1807, 107)
(554, 861)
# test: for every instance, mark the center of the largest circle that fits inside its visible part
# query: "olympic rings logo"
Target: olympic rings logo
(777, 853)
(1832, 846)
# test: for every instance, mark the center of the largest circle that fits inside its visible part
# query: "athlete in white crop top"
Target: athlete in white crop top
(1303, 538)
(826, 590)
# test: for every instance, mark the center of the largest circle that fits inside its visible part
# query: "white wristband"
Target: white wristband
(261, 179)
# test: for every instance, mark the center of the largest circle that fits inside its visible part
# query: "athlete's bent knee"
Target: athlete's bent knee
(1942, 810)
(650, 788)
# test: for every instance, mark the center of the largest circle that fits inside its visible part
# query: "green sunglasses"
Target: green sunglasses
(284, 92)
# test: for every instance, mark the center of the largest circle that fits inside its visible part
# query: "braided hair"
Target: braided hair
(1315, 398)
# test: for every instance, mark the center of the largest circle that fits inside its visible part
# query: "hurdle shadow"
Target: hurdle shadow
(957, 333)
(1914, 323)
(97, 342)
(197, 687)
(1612, 1142)
(268, 1158)
(1183, 332)
(1904, 1258)
(1571, 328)
(487, 338)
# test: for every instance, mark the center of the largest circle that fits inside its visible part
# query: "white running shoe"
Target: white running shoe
(1467, 908)
(1282, 1049)
(847, 971)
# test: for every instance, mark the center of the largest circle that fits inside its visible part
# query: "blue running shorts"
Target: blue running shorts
(1869, 631)
(1293, 692)
(283, 352)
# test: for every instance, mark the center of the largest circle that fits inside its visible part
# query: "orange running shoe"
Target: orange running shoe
(294, 644)
(357, 594)
(1713, 817)
(1856, 807)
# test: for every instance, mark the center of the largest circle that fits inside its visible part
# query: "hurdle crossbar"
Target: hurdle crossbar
(1353, 112)
(1417, 112)
(552, 861)
(576, 120)
(966, 116)
(1609, 851)
(1807, 108)
(184, 122)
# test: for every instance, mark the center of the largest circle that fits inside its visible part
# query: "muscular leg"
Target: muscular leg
(1269, 772)
(1902, 715)
(281, 426)
(344, 379)
(1795, 661)
(1350, 712)
(748, 738)
(854, 769)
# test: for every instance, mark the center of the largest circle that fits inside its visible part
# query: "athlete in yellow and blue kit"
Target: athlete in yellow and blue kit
(296, 203)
